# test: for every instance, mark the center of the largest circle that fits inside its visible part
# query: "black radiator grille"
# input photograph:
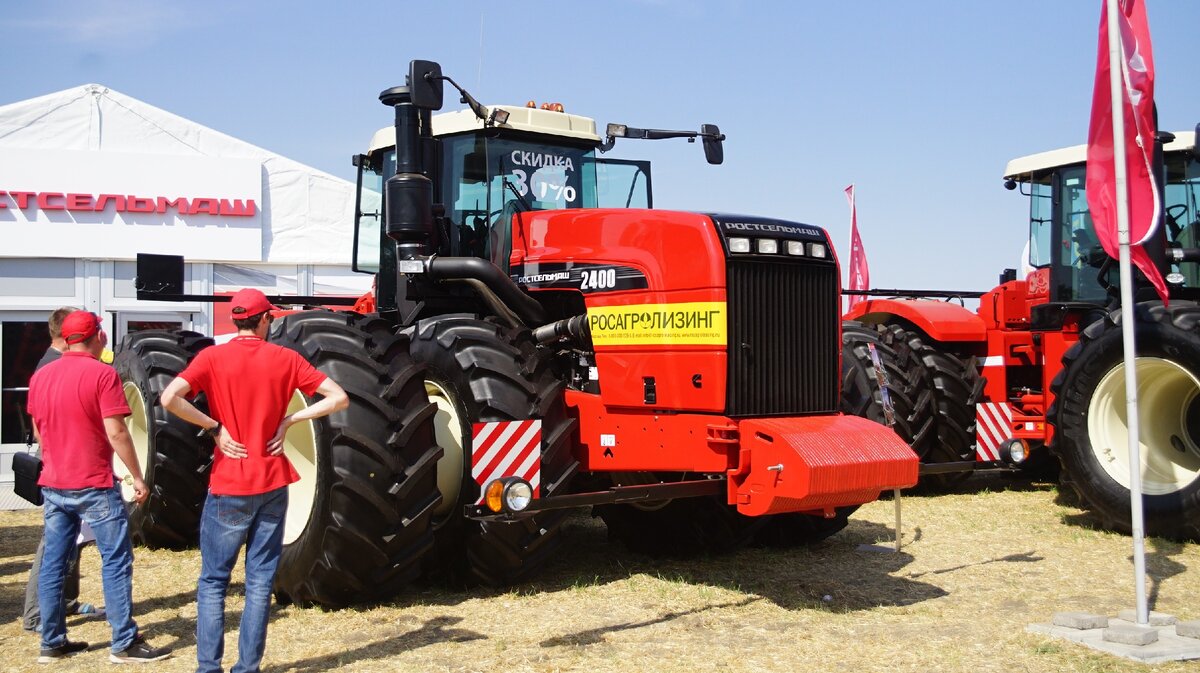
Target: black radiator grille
(783, 338)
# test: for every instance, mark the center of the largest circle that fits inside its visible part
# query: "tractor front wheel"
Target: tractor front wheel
(1092, 428)
(954, 386)
(358, 520)
(480, 371)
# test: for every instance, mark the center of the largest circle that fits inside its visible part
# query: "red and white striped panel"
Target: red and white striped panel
(507, 449)
(993, 425)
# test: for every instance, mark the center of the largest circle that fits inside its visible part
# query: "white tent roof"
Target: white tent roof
(310, 216)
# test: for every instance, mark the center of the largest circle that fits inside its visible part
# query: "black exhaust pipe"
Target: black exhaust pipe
(408, 215)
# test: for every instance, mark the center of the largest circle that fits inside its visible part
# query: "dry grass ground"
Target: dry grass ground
(975, 569)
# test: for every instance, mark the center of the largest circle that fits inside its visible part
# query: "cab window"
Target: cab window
(485, 181)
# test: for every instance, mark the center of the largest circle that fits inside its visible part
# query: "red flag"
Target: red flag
(1137, 75)
(860, 276)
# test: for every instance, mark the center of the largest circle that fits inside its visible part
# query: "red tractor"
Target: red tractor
(1039, 364)
(543, 340)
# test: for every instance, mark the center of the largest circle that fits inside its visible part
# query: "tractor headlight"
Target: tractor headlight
(768, 246)
(508, 494)
(518, 495)
(1016, 451)
(817, 250)
(739, 245)
(795, 248)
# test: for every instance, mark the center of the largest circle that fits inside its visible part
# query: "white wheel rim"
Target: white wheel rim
(300, 447)
(449, 435)
(1170, 456)
(138, 425)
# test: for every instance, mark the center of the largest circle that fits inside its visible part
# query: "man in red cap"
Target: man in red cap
(249, 384)
(78, 410)
(32, 615)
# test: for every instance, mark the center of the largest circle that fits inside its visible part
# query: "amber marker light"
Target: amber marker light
(494, 495)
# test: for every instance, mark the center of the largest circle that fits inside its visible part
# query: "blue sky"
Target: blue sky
(919, 104)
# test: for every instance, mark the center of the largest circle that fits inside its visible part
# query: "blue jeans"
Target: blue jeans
(230, 521)
(104, 511)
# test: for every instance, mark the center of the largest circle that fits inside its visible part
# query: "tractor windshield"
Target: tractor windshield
(1062, 237)
(485, 181)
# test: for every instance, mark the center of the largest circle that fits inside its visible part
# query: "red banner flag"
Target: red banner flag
(860, 276)
(1137, 75)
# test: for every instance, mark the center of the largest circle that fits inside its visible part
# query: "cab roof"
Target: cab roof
(520, 118)
(1023, 167)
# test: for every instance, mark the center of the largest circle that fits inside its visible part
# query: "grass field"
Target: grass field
(975, 569)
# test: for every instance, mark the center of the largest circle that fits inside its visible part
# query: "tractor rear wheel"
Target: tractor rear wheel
(480, 371)
(1091, 429)
(174, 460)
(955, 386)
(358, 520)
(679, 527)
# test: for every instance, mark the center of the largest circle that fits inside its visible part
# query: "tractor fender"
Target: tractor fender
(940, 320)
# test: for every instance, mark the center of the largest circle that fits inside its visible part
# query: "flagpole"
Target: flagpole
(1137, 528)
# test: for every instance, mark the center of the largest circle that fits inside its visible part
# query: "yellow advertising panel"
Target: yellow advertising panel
(691, 323)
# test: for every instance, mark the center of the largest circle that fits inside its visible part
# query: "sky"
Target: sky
(920, 105)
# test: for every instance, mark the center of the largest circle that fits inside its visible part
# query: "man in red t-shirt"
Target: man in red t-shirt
(78, 410)
(249, 384)
(32, 616)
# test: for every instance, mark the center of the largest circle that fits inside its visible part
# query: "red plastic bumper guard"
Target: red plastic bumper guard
(813, 463)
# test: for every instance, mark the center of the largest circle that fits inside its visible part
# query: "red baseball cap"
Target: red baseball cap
(80, 326)
(249, 302)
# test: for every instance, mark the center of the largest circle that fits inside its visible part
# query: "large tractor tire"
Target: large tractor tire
(480, 371)
(174, 459)
(954, 385)
(1092, 435)
(863, 396)
(679, 527)
(358, 520)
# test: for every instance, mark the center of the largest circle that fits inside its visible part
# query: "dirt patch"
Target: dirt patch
(976, 568)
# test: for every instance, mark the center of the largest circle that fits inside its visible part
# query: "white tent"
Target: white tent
(308, 214)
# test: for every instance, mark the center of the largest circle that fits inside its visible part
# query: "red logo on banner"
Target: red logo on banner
(123, 203)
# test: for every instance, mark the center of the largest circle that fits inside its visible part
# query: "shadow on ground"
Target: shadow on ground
(436, 630)
(830, 575)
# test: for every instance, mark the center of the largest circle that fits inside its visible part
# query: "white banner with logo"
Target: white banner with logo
(109, 205)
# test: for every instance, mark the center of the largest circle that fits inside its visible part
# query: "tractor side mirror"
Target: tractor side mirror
(714, 152)
(425, 84)
(1196, 144)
